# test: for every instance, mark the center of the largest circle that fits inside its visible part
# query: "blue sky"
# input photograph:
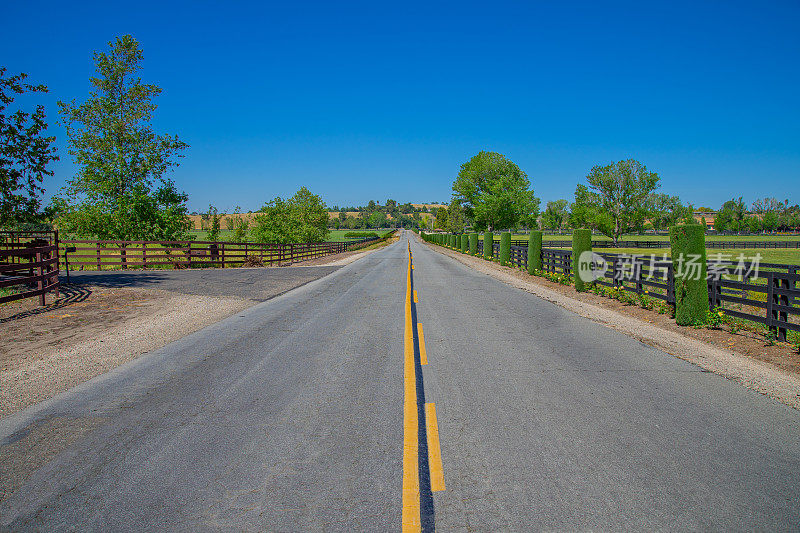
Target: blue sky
(361, 101)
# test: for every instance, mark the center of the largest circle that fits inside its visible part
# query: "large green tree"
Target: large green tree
(665, 211)
(25, 153)
(495, 193)
(615, 201)
(121, 190)
(555, 215)
(302, 218)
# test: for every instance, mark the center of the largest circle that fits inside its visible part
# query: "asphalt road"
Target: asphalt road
(290, 417)
(257, 284)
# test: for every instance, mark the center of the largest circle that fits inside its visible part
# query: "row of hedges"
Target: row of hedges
(691, 295)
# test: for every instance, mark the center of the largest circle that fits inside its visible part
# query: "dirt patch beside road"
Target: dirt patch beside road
(742, 357)
(48, 350)
(105, 319)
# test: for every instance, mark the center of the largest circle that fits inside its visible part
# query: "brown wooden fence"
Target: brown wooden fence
(665, 244)
(108, 255)
(28, 270)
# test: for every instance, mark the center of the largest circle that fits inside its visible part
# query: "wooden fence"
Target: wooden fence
(99, 255)
(30, 260)
(771, 298)
(28, 269)
(665, 244)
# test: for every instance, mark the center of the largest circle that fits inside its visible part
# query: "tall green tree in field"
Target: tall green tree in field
(456, 217)
(615, 201)
(25, 153)
(302, 218)
(121, 190)
(555, 215)
(441, 218)
(665, 211)
(495, 193)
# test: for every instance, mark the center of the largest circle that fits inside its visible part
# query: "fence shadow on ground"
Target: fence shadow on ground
(68, 295)
(122, 279)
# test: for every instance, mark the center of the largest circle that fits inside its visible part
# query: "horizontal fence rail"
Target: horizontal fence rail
(665, 244)
(28, 270)
(30, 260)
(101, 255)
(765, 293)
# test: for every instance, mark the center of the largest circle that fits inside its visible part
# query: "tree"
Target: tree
(455, 217)
(555, 215)
(664, 210)
(120, 190)
(441, 218)
(303, 218)
(309, 216)
(241, 225)
(495, 193)
(731, 216)
(377, 220)
(25, 153)
(616, 200)
(213, 224)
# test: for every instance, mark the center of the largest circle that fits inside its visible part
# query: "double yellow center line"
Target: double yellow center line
(411, 482)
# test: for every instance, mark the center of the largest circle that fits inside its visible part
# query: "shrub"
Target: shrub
(488, 241)
(581, 242)
(473, 243)
(534, 252)
(691, 288)
(505, 247)
(252, 261)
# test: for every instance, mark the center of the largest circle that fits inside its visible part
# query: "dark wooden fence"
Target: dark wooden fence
(99, 255)
(665, 244)
(29, 260)
(772, 298)
(28, 265)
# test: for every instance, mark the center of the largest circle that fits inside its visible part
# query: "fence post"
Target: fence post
(534, 251)
(144, 255)
(689, 267)
(98, 255)
(779, 299)
(581, 243)
(40, 273)
(505, 247)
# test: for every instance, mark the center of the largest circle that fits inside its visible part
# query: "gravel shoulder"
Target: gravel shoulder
(743, 357)
(52, 350)
(105, 319)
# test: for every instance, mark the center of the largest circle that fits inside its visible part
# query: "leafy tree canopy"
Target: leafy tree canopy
(615, 202)
(495, 193)
(303, 218)
(25, 153)
(120, 190)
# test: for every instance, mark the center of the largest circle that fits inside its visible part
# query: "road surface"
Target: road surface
(298, 415)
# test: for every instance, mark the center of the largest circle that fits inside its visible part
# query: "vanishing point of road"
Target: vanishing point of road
(382, 397)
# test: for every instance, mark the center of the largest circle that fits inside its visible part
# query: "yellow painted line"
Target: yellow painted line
(416, 298)
(423, 353)
(411, 511)
(434, 452)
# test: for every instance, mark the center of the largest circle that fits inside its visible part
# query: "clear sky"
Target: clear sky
(373, 100)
